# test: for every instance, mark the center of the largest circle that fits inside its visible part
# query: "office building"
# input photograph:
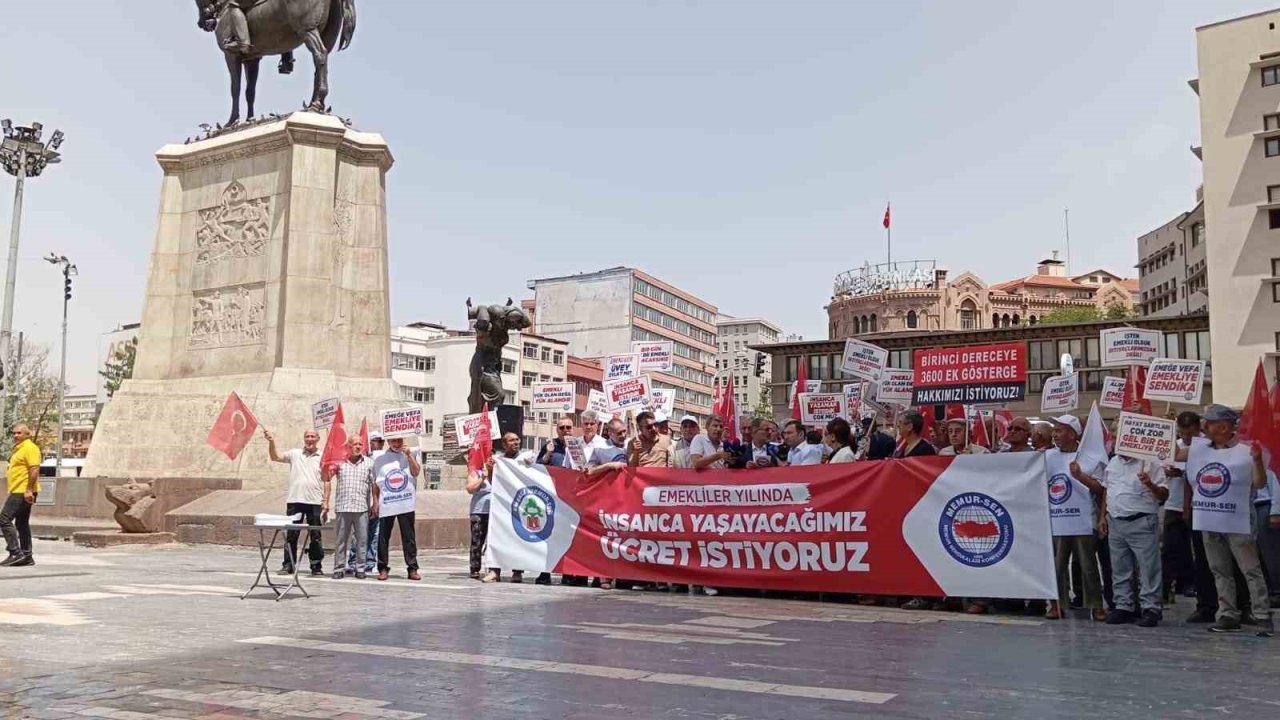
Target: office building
(1172, 267)
(735, 358)
(1238, 85)
(601, 313)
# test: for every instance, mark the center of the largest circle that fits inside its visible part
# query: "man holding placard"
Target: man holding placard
(1071, 516)
(1222, 475)
(1130, 520)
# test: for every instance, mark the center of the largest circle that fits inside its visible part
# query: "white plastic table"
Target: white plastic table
(265, 548)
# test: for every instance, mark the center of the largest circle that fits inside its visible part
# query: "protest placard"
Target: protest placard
(663, 401)
(402, 422)
(1175, 380)
(863, 360)
(658, 355)
(821, 408)
(577, 450)
(810, 386)
(1129, 346)
(1112, 392)
(853, 399)
(1145, 437)
(627, 393)
(617, 367)
(979, 374)
(1061, 393)
(322, 413)
(465, 426)
(558, 396)
(598, 405)
(895, 387)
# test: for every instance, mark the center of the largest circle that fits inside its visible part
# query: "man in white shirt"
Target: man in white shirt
(591, 437)
(1130, 520)
(707, 451)
(801, 452)
(306, 496)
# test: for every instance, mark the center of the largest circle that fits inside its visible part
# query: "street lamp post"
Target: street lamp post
(22, 155)
(68, 271)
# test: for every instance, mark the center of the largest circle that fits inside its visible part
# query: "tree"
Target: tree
(764, 408)
(119, 366)
(1117, 311)
(35, 389)
(1065, 315)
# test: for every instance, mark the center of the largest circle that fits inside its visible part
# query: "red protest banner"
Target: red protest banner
(976, 525)
(977, 374)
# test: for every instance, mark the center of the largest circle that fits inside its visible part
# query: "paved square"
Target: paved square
(161, 632)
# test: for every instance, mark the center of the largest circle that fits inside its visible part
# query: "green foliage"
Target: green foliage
(764, 409)
(1067, 315)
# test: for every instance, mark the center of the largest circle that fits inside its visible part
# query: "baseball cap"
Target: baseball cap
(1220, 413)
(689, 419)
(375, 435)
(660, 417)
(1070, 421)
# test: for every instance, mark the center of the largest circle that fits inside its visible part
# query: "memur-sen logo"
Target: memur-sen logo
(397, 480)
(1059, 489)
(1213, 480)
(533, 513)
(976, 530)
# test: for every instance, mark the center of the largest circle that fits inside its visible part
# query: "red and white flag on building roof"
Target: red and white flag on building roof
(886, 216)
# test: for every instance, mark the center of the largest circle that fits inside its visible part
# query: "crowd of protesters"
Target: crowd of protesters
(1134, 554)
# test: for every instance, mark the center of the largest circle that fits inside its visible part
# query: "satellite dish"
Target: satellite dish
(1067, 364)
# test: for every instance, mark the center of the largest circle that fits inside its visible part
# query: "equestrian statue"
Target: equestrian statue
(249, 30)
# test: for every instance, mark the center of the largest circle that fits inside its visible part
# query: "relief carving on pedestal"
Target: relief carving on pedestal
(227, 317)
(236, 228)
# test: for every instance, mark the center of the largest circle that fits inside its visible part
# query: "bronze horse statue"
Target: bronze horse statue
(249, 30)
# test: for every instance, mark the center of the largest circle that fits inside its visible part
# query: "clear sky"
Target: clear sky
(743, 150)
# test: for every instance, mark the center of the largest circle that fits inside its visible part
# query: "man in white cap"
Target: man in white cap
(958, 437)
(1071, 517)
(689, 429)
(1223, 475)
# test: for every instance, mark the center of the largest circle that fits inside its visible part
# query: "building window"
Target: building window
(429, 427)
(912, 319)
(527, 379)
(1017, 320)
(557, 357)
(1270, 75)
(1273, 219)
(873, 322)
(508, 366)
(1040, 355)
(401, 361)
(417, 394)
(546, 354)
(968, 315)
(531, 351)
(1271, 122)
(1271, 147)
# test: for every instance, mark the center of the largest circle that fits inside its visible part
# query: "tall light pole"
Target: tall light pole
(68, 271)
(22, 155)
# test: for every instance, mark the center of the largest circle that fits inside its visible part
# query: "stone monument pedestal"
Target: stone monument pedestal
(268, 278)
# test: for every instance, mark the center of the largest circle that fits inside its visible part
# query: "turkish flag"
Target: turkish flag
(1275, 428)
(234, 427)
(1257, 425)
(954, 411)
(364, 435)
(1003, 418)
(730, 411)
(334, 445)
(978, 434)
(886, 216)
(482, 445)
(1135, 389)
(802, 384)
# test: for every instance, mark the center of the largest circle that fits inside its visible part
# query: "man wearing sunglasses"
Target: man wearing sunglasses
(1018, 436)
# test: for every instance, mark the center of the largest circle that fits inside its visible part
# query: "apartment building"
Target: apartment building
(1172, 267)
(1239, 89)
(734, 358)
(601, 313)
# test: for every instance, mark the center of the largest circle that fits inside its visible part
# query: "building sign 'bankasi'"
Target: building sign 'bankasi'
(976, 374)
(904, 275)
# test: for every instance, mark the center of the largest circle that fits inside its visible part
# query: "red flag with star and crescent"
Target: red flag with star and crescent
(886, 216)
(234, 427)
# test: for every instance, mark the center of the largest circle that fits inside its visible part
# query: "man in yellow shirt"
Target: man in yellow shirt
(24, 484)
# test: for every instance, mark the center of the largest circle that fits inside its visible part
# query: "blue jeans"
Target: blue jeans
(371, 554)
